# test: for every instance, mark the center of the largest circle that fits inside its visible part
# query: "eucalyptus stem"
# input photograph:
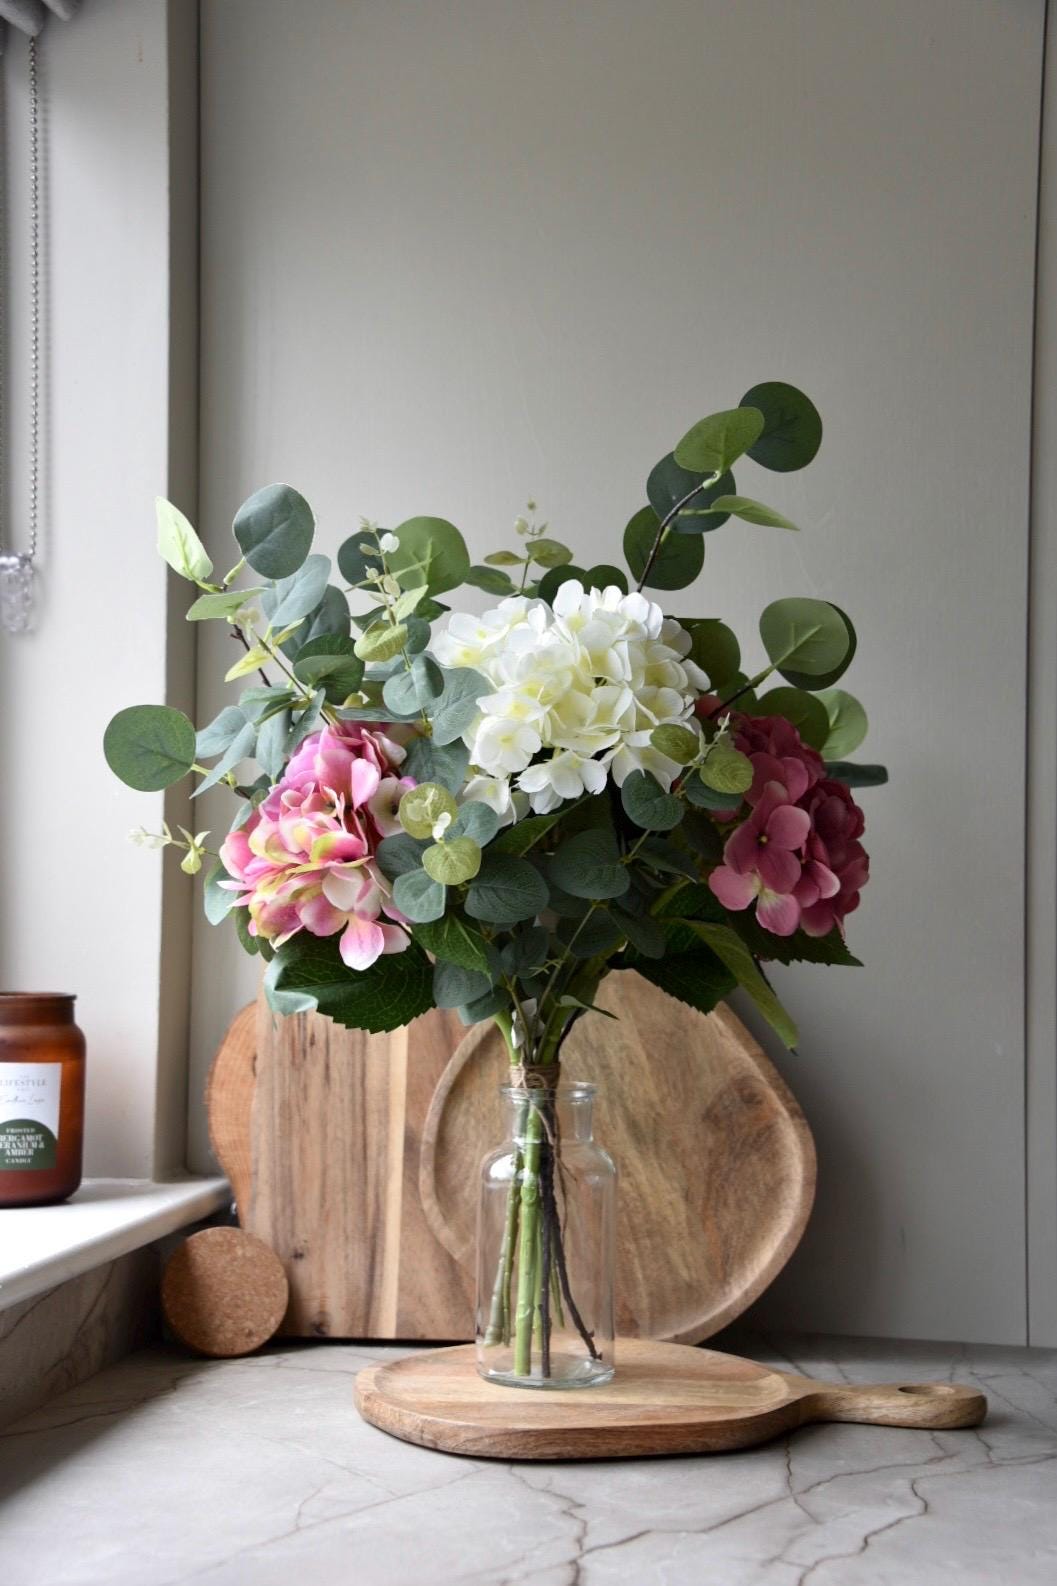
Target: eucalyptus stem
(528, 1243)
(663, 526)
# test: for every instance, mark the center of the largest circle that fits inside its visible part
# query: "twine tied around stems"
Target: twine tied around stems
(535, 1076)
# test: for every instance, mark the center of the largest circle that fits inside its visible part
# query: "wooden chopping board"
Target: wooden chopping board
(664, 1399)
(355, 1158)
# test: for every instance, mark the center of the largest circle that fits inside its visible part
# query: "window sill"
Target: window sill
(41, 1246)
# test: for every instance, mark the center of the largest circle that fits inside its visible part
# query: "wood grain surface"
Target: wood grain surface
(355, 1158)
(664, 1399)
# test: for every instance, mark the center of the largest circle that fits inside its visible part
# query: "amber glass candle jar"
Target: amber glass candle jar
(41, 1098)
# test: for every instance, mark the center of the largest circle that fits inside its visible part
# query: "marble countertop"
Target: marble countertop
(164, 1470)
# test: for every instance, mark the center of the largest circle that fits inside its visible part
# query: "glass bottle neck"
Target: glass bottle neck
(570, 1106)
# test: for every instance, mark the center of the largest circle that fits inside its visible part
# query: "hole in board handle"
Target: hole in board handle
(929, 1390)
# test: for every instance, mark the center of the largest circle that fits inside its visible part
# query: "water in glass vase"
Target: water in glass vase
(546, 1245)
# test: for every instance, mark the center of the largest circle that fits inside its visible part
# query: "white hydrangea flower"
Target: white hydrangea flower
(585, 684)
(496, 792)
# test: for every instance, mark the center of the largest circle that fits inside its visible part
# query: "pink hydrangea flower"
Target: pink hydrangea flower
(305, 858)
(834, 850)
(761, 862)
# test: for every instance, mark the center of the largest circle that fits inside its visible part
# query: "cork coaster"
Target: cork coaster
(224, 1292)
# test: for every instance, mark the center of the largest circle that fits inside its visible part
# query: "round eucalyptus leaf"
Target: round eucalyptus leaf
(681, 744)
(354, 563)
(846, 722)
(422, 807)
(806, 636)
(549, 553)
(792, 428)
(429, 761)
(703, 797)
(295, 597)
(604, 576)
(803, 680)
(677, 562)
(715, 442)
(455, 985)
(715, 649)
(329, 661)
(431, 552)
(805, 711)
(727, 770)
(475, 820)
(382, 642)
(492, 580)
(589, 866)
(408, 692)
(853, 775)
(456, 708)
(274, 530)
(399, 854)
(418, 897)
(555, 577)
(149, 746)
(669, 484)
(452, 862)
(505, 559)
(648, 805)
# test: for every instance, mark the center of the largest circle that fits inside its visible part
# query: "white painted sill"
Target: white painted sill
(41, 1246)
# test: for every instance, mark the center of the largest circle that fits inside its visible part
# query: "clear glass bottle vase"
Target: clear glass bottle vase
(546, 1245)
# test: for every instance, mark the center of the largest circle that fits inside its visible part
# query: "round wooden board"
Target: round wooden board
(717, 1164)
(224, 1292)
(664, 1399)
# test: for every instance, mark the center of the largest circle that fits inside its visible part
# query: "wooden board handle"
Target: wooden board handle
(921, 1404)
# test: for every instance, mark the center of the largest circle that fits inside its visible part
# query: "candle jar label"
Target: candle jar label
(29, 1115)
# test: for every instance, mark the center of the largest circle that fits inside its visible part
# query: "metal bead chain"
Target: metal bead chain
(34, 297)
(34, 306)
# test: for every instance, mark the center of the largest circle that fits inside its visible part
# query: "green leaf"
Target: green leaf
(456, 708)
(223, 604)
(382, 642)
(804, 680)
(751, 511)
(703, 797)
(222, 730)
(421, 808)
(395, 990)
(475, 820)
(549, 553)
(853, 775)
(271, 744)
(491, 580)
(306, 723)
(681, 744)
(729, 947)
(597, 933)
(669, 858)
(669, 484)
(645, 934)
(697, 978)
(149, 747)
(715, 648)
(648, 805)
(589, 866)
(240, 748)
(805, 636)
(796, 949)
(217, 901)
(331, 616)
(555, 577)
(419, 897)
(249, 944)
(483, 1007)
(330, 661)
(452, 862)
(408, 692)
(399, 854)
(295, 597)
(454, 985)
(526, 954)
(428, 761)
(250, 662)
(792, 429)
(451, 939)
(522, 836)
(506, 890)
(603, 576)
(432, 552)
(677, 563)
(727, 770)
(179, 545)
(714, 443)
(505, 559)
(805, 711)
(274, 530)
(354, 565)
(846, 723)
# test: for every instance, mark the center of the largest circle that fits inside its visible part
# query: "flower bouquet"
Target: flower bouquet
(494, 815)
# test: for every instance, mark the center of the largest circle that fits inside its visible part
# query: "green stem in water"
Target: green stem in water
(528, 1244)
